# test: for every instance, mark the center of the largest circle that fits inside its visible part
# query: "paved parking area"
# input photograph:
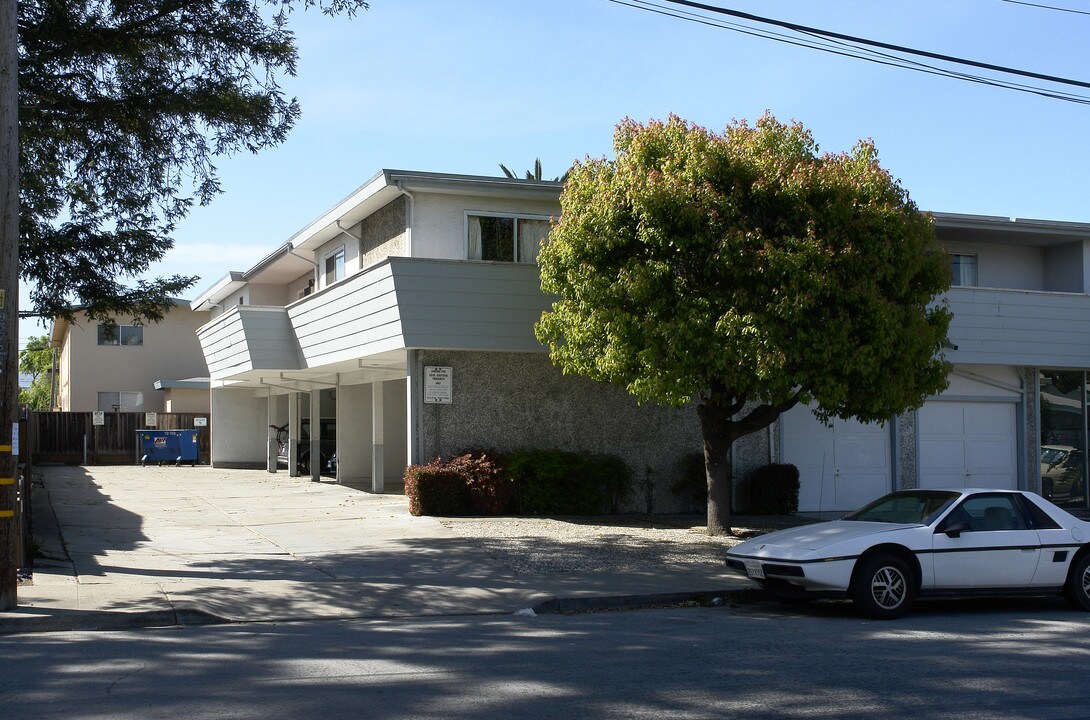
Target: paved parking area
(255, 546)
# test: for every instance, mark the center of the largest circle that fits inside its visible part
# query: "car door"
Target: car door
(990, 545)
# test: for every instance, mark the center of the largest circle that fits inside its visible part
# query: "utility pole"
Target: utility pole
(9, 292)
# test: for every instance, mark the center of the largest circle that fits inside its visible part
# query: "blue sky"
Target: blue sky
(461, 86)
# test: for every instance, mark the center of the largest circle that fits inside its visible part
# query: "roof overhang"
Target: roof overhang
(189, 384)
(57, 332)
(226, 285)
(388, 184)
(284, 265)
(1023, 231)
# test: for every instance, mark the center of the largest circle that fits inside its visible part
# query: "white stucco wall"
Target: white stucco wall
(186, 400)
(170, 351)
(439, 220)
(1005, 266)
(240, 419)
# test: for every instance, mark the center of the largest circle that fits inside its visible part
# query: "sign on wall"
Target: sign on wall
(98, 417)
(200, 422)
(151, 419)
(438, 384)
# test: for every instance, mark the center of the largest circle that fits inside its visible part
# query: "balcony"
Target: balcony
(398, 304)
(1019, 327)
(249, 338)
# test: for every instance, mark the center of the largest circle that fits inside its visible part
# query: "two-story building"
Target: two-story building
(1014, 414)
(403, 317)
(122, 367)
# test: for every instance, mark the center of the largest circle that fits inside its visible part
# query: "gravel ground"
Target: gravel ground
(543, 546)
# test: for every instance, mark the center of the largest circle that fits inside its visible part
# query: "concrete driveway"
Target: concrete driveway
(126, 545)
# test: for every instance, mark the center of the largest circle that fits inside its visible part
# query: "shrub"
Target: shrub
(611, 476)
(692, 480)
(490, 491)
(773, 490)
(435, 489)
(555, 482)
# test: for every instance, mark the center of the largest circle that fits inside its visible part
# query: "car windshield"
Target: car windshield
(913, 507)
(1050, 455)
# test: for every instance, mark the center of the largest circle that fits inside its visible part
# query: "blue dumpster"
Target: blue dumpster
(174, 446)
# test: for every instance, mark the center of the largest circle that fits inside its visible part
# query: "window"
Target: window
(124, 401)
(501, 238)
(963, 270)
(131, 335)
(987, 513)
(334, 266)
(1063, 400)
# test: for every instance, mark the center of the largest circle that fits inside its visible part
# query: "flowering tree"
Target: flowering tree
(746, 272)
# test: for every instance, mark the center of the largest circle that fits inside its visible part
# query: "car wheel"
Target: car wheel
(304, 463)
(883, 587)
(1078, 584)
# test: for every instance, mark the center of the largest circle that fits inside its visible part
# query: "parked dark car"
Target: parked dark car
(327, 446)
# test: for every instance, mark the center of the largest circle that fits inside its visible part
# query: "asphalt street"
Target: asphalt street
(1023, 659)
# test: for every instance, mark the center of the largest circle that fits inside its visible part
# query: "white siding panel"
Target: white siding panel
(246, 338)
(1013, 327)
(270, 338)
(224, 346)
(354, 318)
(470, 305)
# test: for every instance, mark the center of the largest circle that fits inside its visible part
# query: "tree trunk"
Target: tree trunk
(720, 429)
(716, 428)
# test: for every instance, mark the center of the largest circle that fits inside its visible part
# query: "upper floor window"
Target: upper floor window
(123, 401)
(334, 266)
(132, 335)
(963, 270)
(505, 238)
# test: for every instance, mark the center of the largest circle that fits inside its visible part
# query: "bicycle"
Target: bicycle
(303, 462)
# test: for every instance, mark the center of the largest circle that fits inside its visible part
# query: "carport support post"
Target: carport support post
(315, 435)
(378, 472)
(293, 434)
(271, 459)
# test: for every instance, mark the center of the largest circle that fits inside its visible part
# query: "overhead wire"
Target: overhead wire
(1048, 7)
(860, 48)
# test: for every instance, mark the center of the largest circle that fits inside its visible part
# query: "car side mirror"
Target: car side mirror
(956, 529)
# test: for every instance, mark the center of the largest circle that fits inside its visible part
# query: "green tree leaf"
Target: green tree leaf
(123, 107)
(36, 360)
(745, 272)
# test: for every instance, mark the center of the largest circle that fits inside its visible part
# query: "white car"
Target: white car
(927, 542)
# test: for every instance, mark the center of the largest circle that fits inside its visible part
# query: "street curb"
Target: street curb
(635, 602)
(68, 620)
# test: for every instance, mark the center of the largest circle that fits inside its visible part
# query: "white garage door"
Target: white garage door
(968, 444)
(840, 468)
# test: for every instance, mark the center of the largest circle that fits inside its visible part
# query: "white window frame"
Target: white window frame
(325, 269)
(117, 336)
(955, 278)
(121, 396)
(517, 217)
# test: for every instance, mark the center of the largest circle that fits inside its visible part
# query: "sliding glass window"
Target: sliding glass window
(1063, 437)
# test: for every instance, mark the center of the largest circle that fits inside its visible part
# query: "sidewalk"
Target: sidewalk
(126, 546)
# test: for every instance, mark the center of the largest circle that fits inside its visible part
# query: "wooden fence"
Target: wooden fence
(72, 437)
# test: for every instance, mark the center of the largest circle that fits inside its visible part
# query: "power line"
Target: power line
(860, 48)
(1048, 7)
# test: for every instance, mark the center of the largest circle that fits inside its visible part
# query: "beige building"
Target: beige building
(158, 367)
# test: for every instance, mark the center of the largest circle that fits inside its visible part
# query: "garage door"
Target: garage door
(842, 467)
(968, 444)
